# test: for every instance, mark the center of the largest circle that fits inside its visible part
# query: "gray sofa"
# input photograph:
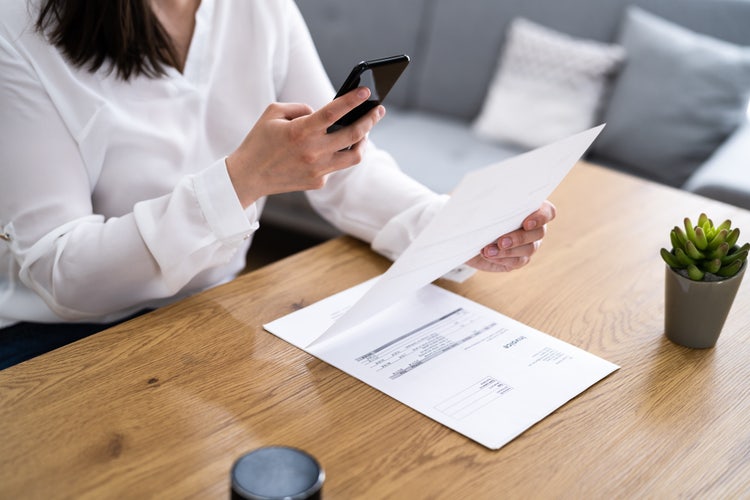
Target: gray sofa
(455, 48)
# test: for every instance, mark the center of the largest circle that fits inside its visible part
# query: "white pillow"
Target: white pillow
(548, 85)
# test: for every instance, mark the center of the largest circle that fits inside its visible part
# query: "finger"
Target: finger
(491, 253)
(357, 131)
(346, 157)
(336, 109)
(514, 243)
(546, 213)
(288, 110)
(343, 157)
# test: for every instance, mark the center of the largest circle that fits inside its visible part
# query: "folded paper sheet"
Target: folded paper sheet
(486, 204)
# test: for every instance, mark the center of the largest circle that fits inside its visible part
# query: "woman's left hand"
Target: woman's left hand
(514, 250)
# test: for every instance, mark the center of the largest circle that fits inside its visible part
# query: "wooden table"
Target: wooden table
(161, 406)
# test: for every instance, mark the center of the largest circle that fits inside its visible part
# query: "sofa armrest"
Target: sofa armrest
(725, 176)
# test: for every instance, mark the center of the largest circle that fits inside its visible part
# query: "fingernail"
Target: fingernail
(362, 93)
(381, 111)
(506, 243)
(491, 251)
(531, 224)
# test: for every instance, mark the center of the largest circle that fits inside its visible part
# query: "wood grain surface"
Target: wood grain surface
(161, 406)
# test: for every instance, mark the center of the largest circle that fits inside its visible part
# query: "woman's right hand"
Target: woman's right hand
(288, 149)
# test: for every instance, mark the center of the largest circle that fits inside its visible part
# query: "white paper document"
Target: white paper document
(460, 363)
(486, 204)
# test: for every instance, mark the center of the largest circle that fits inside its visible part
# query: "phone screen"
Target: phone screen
(379, 76)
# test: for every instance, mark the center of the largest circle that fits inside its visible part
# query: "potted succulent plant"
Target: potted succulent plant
(704, 271)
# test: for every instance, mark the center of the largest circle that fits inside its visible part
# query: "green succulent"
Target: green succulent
(705, 252)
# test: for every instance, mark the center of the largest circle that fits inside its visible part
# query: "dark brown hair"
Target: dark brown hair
(125, 33)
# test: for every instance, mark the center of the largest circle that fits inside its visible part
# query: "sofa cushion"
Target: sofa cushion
(346, 33)
(548, 85)
(437, 151)
(464, 39)
(725, 175)
(679, 95)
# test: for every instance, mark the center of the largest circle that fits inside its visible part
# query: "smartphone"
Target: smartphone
(379, 75)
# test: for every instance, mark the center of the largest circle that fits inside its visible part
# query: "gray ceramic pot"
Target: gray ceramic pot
(695, 311)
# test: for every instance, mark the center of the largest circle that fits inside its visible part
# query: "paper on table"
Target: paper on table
(458, 362)
(486, 203)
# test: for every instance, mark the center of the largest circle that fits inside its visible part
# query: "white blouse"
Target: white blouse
(114, 196)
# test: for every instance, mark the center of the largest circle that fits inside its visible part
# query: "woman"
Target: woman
(129, 177)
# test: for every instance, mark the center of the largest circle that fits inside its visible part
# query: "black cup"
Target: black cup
(277, 472)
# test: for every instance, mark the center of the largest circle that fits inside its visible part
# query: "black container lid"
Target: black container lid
(277, 472)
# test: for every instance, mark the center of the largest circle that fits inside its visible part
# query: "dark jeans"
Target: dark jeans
(24, 341)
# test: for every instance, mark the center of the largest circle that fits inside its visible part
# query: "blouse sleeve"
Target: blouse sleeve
(81, 265)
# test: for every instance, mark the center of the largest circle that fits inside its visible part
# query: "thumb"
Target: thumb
(288, 110)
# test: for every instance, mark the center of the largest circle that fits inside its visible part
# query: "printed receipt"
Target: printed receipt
(466, 366)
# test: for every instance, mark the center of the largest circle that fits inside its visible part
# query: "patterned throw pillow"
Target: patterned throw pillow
(548, 85)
